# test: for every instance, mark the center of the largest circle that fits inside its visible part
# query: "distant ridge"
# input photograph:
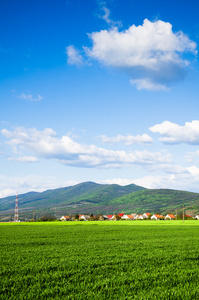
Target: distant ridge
(66, 197)
(96, 198)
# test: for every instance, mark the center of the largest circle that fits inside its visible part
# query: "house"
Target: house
(134, 215)
(156, 217)
(127, 217)
(130, 217)
(124, 217)
(170, 217)
(65, 218)
(104, 217)
(197, 217)
(188, 217)
(110, 217)
(84, 217)
(115, 217)
(137, 217)
(146, 215)
(140, 217)
(121, 215)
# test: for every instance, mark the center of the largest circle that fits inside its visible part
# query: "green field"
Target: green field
(100, 260)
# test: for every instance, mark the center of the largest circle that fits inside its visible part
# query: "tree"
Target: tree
(47, 217)
(97, 217)
(149, 217)
(76, 216)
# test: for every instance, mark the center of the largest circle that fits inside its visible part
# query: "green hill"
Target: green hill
(90, 197)
(159, 200)
(65, 199)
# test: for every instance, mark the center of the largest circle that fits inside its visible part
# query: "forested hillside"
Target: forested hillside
(90, 197)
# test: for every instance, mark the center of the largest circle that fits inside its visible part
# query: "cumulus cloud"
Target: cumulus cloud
(180, 178)
(173, 133)
(46, 144)
(74, 56)
(151, 54)
(128, 140)
(186, 181)
(30, 97)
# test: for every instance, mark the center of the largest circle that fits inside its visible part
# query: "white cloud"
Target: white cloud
(30, 97)
(46, 144)
(179, 179)
(169, 169)
(193, 170)
(120, 181)
(11, 185)
(178, 182)
(192, 156)
(183, 179)
(106, 11)
(151, 54)
(173, 133)
(128, 140)
(106, 15)
(7, 192)
(148, 84)
(74, 56)
(24, 159)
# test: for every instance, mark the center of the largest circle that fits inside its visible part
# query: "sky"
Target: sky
(103, 91)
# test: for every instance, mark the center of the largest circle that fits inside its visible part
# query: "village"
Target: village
(122, 216)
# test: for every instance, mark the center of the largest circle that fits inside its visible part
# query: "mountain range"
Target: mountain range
(90, 197)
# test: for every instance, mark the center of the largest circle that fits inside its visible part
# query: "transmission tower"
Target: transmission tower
(16, 217)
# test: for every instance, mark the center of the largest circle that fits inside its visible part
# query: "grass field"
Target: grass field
(100, 260)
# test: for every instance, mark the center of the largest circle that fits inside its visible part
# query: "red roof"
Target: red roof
(109, 216)
(147, 214)
(121, 215)
(188, 216)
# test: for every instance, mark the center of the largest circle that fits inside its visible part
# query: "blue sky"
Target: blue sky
(105, 91)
